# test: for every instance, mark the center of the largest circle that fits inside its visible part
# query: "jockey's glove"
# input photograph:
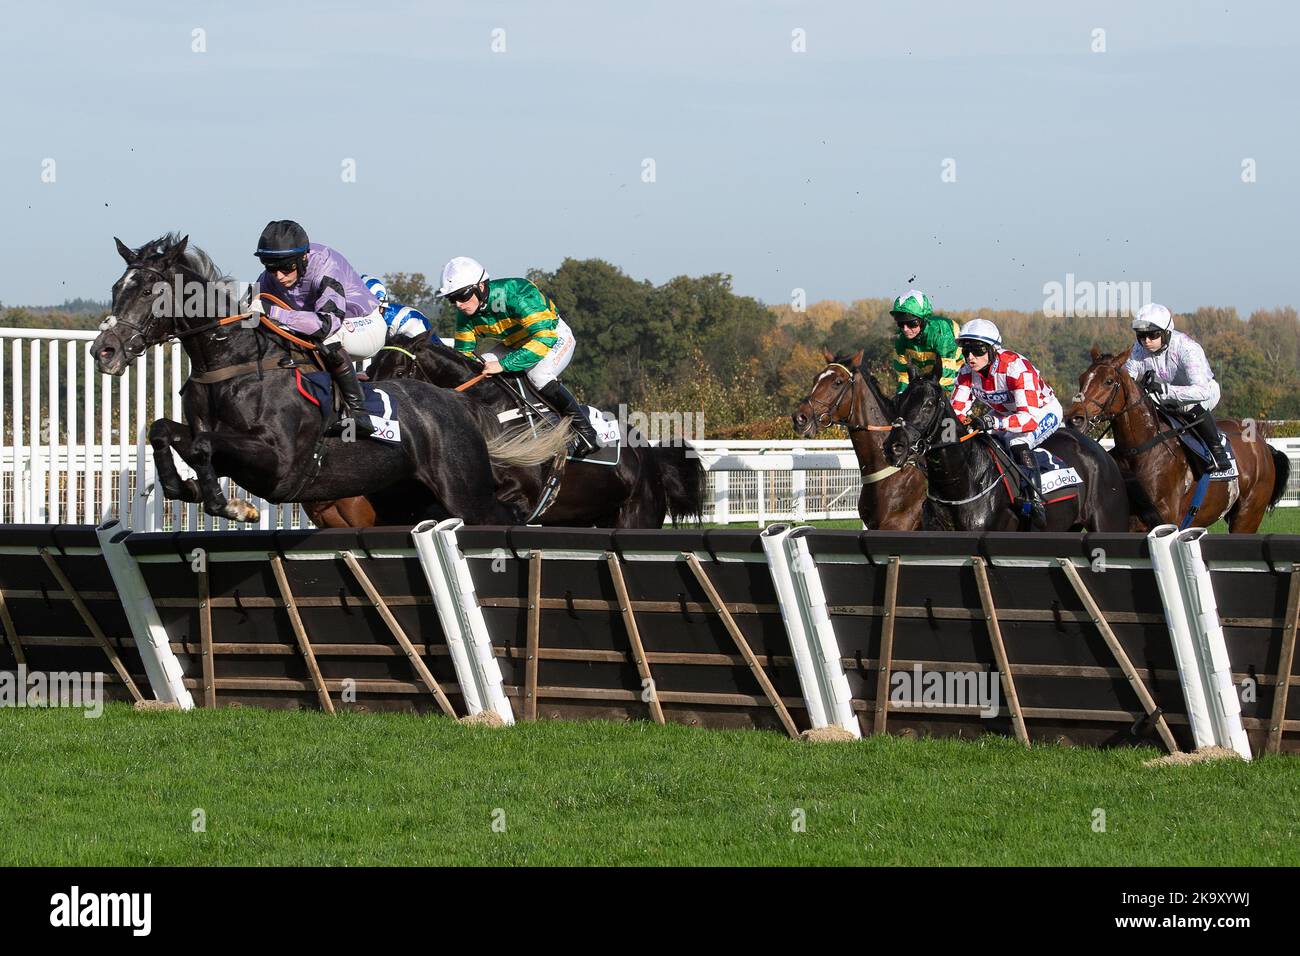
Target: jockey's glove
(987, 422)
(256, 306)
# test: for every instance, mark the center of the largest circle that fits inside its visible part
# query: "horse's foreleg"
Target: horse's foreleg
(199, 455)
(164, 434)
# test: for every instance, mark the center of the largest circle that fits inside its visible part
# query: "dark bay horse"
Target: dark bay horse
(843, 394)
(971, 489)
(647, 484)
(246, 420)
(1109, 396)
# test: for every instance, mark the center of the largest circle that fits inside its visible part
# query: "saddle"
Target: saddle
(536, 412)
(1198, 455)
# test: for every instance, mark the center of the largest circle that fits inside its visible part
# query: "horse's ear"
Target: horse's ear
(126, 252)
(178, 250)
(936, 370)
(1096, 353)
(913, 373)
(857, 358)
(828, 355)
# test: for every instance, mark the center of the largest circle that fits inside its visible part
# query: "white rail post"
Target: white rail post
(721, 492)
(166, 676)
(1160, 542)
(1212, 649)
(778, 566)
(821, 633)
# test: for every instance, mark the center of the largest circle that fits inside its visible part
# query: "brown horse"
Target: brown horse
(843, 394)
(1159, 462)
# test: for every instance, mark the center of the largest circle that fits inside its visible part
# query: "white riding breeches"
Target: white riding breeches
(554, 362)
(361, 336)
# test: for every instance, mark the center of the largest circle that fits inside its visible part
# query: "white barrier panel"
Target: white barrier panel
(1212, 650)
(485, 669)
(837, 699)
(448, 613)
(778, 566)
(166, 677)
(1164, 562)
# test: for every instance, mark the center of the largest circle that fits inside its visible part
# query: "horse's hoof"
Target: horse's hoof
(241, 510)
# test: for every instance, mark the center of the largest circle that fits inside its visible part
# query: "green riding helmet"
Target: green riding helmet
(914, 303)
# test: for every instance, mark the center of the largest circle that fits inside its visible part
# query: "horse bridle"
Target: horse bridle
(827, 418)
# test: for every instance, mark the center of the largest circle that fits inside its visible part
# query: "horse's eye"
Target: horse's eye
(1110, 381)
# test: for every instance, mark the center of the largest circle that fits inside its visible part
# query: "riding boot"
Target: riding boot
(1037, 513)
(1208, 429)
(339, 364)
(565, 404)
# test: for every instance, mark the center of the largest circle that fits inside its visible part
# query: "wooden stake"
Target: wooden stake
(386, 614)
(11, 632)
(634, 635)
(205, 639)
(1121, 657)
(741, 644)
(1285, 661)
(304, 644)
(534, 636)
(886, 645)
(1000, 650)
(91, 624)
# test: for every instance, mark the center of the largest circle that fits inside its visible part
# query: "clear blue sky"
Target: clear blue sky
(818, 170)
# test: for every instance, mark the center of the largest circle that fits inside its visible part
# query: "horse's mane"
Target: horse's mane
(194, 259)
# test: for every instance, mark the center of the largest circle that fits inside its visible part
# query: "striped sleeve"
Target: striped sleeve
(535, 335)
(464, 336)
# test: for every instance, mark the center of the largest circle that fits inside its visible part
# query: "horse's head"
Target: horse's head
(400, 358)
(142, 311)
(1105, 390)
(921, 411)
(831, 400)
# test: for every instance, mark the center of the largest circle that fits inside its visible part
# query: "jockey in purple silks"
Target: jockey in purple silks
(328, 303)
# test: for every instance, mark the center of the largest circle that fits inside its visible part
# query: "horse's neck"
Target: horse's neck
(220, 347)
(1137, 423)
(446, 372)
(956, 468)
(867, 445)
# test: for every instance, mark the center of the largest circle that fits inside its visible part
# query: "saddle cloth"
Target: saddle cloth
(1055, 473)
(318, 388)
(1200, 457)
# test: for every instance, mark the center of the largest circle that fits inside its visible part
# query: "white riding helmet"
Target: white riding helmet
(980, 330)
(460, 273)
(1153, 316)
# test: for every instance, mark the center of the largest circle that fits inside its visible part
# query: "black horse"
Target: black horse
(972, 486)
(646, 484)
(246, 420)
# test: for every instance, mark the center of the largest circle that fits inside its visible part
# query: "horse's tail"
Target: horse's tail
(683, 482)
(522, 448)
(1281, 475)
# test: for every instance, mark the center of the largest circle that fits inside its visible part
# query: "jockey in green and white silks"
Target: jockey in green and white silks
(924, 339)
(1172, 366)
(533, 338)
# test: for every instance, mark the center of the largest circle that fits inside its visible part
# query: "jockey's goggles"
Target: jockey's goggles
(1148, 333)
(282, 266)
(973, 348)
(908, 323)
(463, 295)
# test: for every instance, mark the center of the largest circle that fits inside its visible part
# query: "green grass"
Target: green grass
(305, 788)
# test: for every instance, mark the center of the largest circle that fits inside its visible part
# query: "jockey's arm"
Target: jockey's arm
(465, 338)
(962, 396)
(1026, 394)
(539, 322)
(325, 316)
(1133, 364)
(900, 370)
(1199, 376)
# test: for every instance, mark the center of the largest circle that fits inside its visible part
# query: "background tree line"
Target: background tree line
(694, 344)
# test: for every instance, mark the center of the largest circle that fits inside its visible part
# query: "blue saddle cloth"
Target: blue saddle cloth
(318, 388)
(1202, 460)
